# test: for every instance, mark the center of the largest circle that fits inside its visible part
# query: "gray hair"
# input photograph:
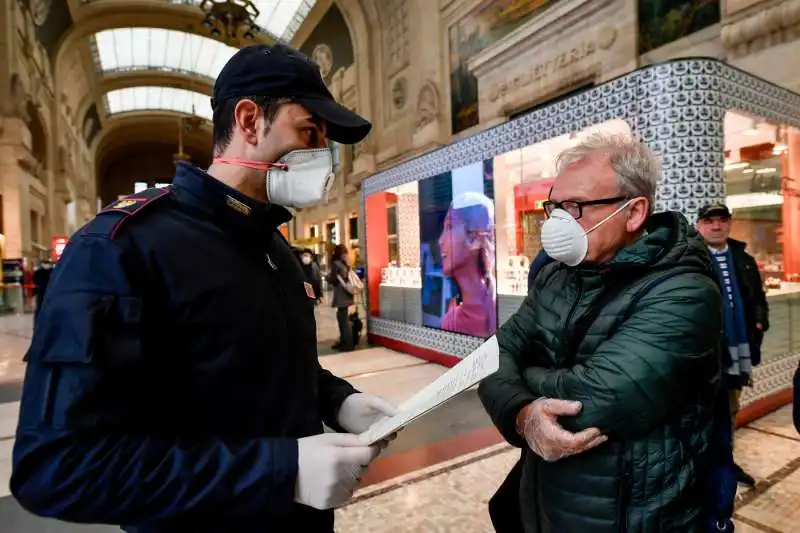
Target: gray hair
(636, 166)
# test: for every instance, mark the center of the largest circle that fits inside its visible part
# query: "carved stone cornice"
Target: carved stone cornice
(762, 29)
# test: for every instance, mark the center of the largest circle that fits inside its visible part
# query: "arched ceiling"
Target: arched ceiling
(145, 57)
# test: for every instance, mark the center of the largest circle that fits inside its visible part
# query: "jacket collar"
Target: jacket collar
(229, 207)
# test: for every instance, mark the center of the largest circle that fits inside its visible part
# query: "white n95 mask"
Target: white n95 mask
(564, 239)
(301, 178)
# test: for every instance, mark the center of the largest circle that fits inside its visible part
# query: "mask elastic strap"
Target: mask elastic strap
(255, 165)
(609, 217)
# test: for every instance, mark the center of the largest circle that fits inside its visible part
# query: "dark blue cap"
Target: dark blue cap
(280, 71)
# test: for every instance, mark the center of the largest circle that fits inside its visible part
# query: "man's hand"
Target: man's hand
(538, 424)
(759, 326)
(359, 411)
(329, 468)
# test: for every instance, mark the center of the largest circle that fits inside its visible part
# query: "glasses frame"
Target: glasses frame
(549, 206)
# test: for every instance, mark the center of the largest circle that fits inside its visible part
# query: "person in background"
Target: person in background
(540, 261)
(41, 278)
(339, 272)
(467, 247)
(311, 268)
(609, 370)
(745, 306)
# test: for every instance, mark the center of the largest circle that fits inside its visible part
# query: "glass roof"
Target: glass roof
(279, 18)
(126, 49)
(159, 98)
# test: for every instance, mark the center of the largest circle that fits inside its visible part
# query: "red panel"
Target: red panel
(417, 351)
(376, 224)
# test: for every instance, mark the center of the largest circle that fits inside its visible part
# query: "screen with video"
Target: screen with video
(457, 250)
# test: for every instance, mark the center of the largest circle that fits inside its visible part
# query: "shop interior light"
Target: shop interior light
(779, 149)
(768, 170)
(753, 200)
(735, 166)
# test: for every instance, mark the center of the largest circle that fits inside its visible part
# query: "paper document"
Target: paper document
(477, 366)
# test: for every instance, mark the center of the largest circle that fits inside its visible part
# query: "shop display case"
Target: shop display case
(450, 235)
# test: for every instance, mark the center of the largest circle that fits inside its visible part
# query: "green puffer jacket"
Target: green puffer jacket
(647, 381)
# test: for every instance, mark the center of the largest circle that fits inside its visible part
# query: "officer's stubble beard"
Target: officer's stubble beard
(252, 183)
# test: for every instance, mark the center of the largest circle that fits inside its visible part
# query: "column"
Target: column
(791, 209)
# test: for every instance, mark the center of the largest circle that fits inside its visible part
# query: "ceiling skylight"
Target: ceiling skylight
(127, 49)
(158, 98)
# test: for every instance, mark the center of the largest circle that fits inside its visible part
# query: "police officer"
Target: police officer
(173, 383)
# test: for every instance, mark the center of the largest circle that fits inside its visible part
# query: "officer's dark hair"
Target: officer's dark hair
(224, 120)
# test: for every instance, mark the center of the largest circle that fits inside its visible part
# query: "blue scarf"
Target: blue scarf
(733, 311)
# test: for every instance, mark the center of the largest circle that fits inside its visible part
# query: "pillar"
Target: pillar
(791, 209)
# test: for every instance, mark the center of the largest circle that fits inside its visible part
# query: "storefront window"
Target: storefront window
(392, 232)
(762, 167)
(442, 252)
(762, 161)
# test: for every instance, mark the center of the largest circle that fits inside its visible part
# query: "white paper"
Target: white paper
(478, 365)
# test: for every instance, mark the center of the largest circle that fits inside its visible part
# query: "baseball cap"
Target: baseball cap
(714, 210)
(282, 72)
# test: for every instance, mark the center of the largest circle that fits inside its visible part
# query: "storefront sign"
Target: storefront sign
(58, 245)
(544, 70)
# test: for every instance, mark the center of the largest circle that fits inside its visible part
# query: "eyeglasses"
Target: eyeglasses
(575, 208)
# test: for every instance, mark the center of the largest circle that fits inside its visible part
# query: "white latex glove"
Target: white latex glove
(329, 468)
(359, 411)
(547, 438)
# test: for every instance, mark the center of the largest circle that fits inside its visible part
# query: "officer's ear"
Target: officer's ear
(246, 115)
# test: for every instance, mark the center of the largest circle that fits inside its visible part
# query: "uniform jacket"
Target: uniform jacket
(173, 366)
(646, 376)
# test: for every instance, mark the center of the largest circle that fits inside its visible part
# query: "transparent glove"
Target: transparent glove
(359, 411)
(538, 424)
(329, 468)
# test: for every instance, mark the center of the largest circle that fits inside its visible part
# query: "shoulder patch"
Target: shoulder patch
(111, 218)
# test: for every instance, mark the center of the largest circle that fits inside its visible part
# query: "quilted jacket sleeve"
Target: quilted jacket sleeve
(505, 392)
(666, 351)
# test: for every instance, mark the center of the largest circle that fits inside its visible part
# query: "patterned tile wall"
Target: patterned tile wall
(408, 226)
(678, 108)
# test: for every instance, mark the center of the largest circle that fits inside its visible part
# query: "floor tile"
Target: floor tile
(761, 455)
(780, 422)
(399, 384)
(5, 469)
(779, 507)
(368, 361)
(9, 413)
(445, 503)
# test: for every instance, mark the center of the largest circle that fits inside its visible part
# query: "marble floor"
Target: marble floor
(439, 474)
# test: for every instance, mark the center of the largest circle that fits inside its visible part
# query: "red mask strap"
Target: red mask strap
(255, 165)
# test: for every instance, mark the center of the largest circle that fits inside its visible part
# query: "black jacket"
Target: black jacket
(172, 368)
(751, 286)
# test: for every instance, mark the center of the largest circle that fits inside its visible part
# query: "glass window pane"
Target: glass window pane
(159, 49)
(158, 98)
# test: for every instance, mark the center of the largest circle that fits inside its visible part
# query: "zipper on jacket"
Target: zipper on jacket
(626, 486)
(566, 340)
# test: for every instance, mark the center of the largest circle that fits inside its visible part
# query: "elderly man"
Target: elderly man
(746, 312)
(618, 341)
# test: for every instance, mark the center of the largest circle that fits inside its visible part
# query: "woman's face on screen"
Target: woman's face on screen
(453, 246)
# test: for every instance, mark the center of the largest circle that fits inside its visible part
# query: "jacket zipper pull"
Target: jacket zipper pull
(269, 262)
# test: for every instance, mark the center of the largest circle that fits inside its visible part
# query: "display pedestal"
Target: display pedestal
(403, 304)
